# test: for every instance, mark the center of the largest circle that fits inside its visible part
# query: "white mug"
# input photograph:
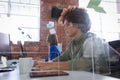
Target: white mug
(25, 65)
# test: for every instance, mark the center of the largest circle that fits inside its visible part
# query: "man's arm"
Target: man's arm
(52, 66)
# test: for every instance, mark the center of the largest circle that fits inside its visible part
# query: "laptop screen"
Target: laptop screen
(5, 47)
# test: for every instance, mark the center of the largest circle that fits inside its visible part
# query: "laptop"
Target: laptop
(6, 69)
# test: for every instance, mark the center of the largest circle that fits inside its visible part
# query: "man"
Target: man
(86, 51)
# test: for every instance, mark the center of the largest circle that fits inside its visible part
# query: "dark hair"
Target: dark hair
(52, 39)
(78, 16)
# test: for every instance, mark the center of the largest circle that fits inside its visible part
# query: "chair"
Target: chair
(115, 58)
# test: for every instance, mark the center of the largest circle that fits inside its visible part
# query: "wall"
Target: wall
(46, 6)
(45, 17)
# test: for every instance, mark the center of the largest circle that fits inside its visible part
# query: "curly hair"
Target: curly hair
(77, 16)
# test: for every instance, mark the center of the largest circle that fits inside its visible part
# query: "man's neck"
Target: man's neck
(77, 35)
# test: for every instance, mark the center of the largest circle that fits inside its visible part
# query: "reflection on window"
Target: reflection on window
(3, 7)
(20, 18)
(105, 25)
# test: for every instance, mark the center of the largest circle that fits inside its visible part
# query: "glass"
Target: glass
(4, 0)
(15, 0)
(26, 15)
(3, 7)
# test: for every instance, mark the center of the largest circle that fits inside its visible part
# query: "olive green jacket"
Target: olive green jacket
(83, 53)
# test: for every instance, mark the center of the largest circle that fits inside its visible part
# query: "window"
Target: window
(105, 25)
(20, 18)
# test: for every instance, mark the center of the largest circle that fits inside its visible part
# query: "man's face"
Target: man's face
(70, 30)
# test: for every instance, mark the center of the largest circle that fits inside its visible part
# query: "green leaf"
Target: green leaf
(100, 9)
(95, 5)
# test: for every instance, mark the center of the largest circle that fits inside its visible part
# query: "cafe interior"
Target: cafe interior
(26, 24)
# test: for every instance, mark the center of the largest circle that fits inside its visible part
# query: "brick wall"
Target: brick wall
(33, 49)
(46, 6)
